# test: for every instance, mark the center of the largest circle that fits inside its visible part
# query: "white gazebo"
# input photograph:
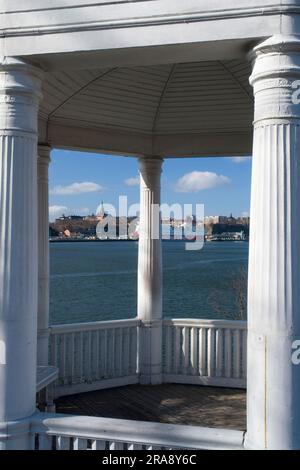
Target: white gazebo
(151, 79)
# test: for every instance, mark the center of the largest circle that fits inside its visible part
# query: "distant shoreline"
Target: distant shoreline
(88, 241)
(163, 240)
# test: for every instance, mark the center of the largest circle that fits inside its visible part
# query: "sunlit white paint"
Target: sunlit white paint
(273, 387)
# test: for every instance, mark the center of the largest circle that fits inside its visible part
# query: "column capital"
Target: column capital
(21, 76)
(150, 171)
(151, 164)
(20, 91)
(276, 78)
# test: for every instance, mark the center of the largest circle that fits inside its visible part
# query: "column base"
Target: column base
(16, 435)
(150, 352)
(151, 378)
(249, 445)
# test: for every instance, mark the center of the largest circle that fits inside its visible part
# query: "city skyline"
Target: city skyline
(79, 181)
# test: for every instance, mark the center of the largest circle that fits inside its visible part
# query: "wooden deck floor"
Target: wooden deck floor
(169, 403)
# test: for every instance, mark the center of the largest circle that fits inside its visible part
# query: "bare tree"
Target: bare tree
(238, 287)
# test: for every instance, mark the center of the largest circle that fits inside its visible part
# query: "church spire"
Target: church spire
(102, 211)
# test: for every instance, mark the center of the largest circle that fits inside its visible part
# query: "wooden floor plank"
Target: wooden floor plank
(169, 403)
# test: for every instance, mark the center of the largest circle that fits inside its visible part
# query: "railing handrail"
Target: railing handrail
(206, 323)
(197, 322)
(97, 325)
(137, 432)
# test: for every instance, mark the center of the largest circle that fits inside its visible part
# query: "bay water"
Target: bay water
(93, 281)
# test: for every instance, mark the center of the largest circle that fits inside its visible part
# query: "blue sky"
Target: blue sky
(80, 181)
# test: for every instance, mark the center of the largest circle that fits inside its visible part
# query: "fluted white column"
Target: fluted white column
(43, 254)
(150, 273)
(20, 86)
(274, 260)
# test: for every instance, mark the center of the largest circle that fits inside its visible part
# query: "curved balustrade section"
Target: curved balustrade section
(67, 432)
(205, 352)
(96, 355)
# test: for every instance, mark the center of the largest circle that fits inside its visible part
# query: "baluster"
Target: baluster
(120, 354)
(113, 353)
(101, 354)
(168, 349)
(88, 365)
(126, 355)
(237, 352)
(62, 443)
(116, 445)
(133, 446)
(97, 355)
(62, 357)
(127, 366)
(228, 353)
(132, 358)
(164, 348)
(135, 348)
(151, 447)
(93, 355)
(186, 350)
(211, 355)
(194, 350)
(72, 357)
(44, 442)
(202, 351)
(67, 358)
(98, 445)
(177, 350)
(219, 352)
(79, 443)
(84, 356)
(106, 340)
(53, 350)
(81, 356)
(77, 357)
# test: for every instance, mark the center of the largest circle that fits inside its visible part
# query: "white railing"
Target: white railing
(92, 356)
(66, 432)
(96, 355)
(207, 352)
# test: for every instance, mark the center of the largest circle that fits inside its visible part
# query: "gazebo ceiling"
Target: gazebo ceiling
(152, 102)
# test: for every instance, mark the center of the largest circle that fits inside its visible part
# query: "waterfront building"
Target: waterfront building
(243, 220)
(150, 79)
(221, 219)
(215, 219)
(65, 218)
(231, 220)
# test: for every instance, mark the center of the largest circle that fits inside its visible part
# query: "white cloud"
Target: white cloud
(57, 211)
(240, 159)
(200, 180)
(76, 188)
(132, 181)
(80, 211)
